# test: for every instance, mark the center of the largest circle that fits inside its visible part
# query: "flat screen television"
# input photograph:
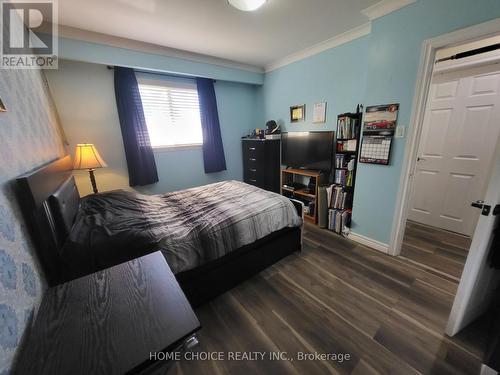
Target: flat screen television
(307, 150)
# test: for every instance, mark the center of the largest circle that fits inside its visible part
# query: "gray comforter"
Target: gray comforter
(191, 227)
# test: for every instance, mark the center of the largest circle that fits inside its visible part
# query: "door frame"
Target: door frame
(419, 105)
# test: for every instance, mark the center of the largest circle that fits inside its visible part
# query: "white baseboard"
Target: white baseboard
(374, 244)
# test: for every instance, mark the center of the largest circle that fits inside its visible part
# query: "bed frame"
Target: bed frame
(34, 190)
(47, 198)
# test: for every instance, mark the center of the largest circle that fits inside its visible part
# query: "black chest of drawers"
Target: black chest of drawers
(261, 163)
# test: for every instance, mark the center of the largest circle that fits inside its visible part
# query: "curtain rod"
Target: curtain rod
(473, 52)
(111, 67)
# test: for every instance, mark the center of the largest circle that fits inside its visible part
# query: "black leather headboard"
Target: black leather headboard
(64, 204)
(34, 190)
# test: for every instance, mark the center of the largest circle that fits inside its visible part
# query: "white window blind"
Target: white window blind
(172, 112)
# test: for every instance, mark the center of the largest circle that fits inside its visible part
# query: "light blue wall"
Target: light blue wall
(376, 69)
(337, 76)
(77, 50)
(84, 96)
(394, 55)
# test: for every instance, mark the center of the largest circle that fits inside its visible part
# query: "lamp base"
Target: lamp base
(92, 181)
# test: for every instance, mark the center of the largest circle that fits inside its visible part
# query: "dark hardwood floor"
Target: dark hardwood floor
(438, 249)
(336, 296)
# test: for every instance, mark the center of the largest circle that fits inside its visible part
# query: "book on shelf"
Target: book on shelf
(344, 161)
(339, 220)
(347, 127)
(343, 177)
(340, 161)
(349, 145)
(339, 198)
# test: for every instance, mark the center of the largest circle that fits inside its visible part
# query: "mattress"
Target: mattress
(191, 227)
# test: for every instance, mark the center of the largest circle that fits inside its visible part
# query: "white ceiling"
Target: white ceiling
(214, 28)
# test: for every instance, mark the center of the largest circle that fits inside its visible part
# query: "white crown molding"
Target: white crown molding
(385, 7)
(336, 41)
(114, 41)
(374, 244)
(375, 11)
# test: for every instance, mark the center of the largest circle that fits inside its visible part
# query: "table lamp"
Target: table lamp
(87, 157)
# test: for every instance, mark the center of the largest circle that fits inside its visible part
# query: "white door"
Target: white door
(479, 280)
(460, 131)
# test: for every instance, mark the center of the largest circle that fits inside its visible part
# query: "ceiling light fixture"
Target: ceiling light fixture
(247, 5)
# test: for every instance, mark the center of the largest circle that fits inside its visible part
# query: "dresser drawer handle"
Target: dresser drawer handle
(253, 159)
(251, 148)
(253, 170)
(253, 180)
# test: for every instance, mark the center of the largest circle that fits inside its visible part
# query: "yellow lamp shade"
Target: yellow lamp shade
(87, 157)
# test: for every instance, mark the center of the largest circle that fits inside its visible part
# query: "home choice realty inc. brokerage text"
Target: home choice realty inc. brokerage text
(249, 356)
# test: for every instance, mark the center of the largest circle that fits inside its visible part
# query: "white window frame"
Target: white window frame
(169, 81)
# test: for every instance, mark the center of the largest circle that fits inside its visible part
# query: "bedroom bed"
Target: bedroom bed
(213, 236)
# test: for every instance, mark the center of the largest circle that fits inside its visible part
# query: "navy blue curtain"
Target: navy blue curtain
(138, 151)
(213, 150)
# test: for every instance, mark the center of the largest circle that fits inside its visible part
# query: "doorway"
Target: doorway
(480, 276)
(460, 130)
(459, 135)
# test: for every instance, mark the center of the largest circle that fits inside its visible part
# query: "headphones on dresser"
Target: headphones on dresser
(272, 127)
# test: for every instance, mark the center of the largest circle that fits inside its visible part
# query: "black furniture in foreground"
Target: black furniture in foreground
(109, 322)
(492, 357)
(208, 281)
(262, 163)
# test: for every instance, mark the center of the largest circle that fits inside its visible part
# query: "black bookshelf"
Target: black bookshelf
(347, 146)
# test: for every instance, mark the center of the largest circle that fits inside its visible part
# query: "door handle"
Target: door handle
(421, 159)
(477, 204)
(485, 209)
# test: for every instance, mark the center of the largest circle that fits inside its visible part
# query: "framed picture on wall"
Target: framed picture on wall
(2, 107)
(319, 113)
(380, 118)
(298, 113)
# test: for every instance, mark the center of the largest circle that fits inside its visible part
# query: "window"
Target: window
(172, 111)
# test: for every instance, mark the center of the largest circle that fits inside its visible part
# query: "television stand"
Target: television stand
(295, 183)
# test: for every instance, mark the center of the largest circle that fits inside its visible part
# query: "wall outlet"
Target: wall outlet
(400, 132)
